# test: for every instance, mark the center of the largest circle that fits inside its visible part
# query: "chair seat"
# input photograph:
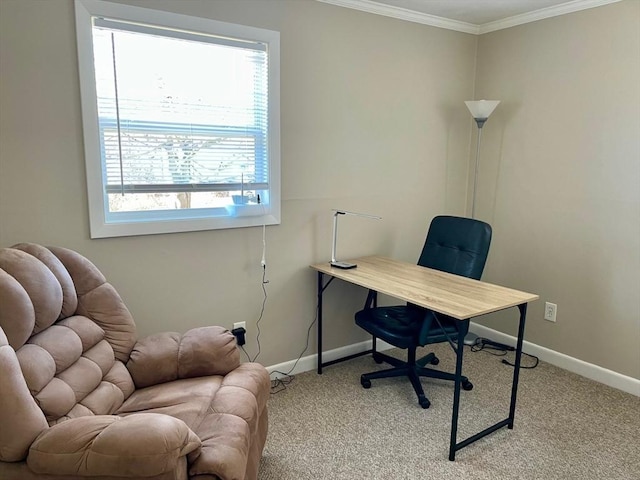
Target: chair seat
(398, 325)
(405, 325)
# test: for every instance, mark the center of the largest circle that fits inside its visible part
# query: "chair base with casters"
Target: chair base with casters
(454, 245)
(413, 369)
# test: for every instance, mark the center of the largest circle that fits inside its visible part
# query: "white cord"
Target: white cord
(263, 262)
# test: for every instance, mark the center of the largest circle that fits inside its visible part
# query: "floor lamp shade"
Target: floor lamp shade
(481, 109)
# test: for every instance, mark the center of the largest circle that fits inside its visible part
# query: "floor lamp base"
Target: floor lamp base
(471, 338)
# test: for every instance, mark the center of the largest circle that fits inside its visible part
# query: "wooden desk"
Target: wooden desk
(452, 295)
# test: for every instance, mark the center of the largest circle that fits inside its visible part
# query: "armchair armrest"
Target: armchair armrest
(136, 446)
(168, 356)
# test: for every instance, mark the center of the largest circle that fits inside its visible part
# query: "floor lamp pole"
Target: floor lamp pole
(471, 338)
(475, 177)
(480, 109)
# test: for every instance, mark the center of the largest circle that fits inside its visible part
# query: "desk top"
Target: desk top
(453, 295)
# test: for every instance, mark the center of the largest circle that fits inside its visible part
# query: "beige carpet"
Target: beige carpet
(566, 427)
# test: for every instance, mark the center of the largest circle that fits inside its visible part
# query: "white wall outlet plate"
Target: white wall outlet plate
(550, 310)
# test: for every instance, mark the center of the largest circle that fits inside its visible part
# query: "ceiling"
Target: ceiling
(471, 16)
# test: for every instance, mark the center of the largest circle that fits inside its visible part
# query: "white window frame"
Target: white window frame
(198, 219)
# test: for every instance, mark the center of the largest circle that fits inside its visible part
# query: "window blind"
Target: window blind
(180, 111)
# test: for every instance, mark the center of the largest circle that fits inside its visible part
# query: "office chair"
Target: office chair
(455, 245)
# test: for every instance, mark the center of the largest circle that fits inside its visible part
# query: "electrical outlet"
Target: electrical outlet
(550, 310)
(240, 330)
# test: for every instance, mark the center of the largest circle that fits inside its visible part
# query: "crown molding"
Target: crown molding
(404, 14)
(440, 22)
(548, 12)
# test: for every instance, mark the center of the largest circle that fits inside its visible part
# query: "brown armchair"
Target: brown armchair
(81, 397)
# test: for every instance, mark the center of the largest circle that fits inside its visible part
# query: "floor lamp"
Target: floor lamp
(480, 109)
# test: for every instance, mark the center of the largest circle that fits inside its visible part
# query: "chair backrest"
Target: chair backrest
(457, 245)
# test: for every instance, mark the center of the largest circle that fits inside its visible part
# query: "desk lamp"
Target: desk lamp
(334, 262)
(480, 109)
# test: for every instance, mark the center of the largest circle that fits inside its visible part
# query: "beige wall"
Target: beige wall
(560, 178)
(372, 121)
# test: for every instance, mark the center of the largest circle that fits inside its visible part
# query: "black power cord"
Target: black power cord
(535, 364)
(264, 301)
(500, 350)
(492, 348)
(279, 384)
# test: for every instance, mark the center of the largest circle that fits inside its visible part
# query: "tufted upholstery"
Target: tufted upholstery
(83, 397)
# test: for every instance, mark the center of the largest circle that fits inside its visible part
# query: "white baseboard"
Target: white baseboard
(588, 370)
(310, 362)
(584, 369)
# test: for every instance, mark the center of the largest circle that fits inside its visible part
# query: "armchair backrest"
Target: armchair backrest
(65, 336)
(457, 245)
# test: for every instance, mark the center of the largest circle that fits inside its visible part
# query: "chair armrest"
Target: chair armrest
(136, 446)
(168, 356)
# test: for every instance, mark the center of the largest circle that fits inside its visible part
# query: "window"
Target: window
(181, 121)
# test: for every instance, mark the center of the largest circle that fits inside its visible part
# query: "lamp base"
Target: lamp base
(343, 265)
(471, 339)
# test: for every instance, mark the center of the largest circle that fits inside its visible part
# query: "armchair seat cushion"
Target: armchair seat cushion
(142, 445)
(223, 411)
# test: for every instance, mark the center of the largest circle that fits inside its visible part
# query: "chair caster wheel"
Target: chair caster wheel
(365, 382)
(467, 385)
(424, 402)
(377, 358)
(435, 361)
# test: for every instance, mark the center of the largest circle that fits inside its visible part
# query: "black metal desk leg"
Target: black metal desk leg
(372, 302)
(456, 395)
(507, 422)
(516, 370)
(320, 290)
